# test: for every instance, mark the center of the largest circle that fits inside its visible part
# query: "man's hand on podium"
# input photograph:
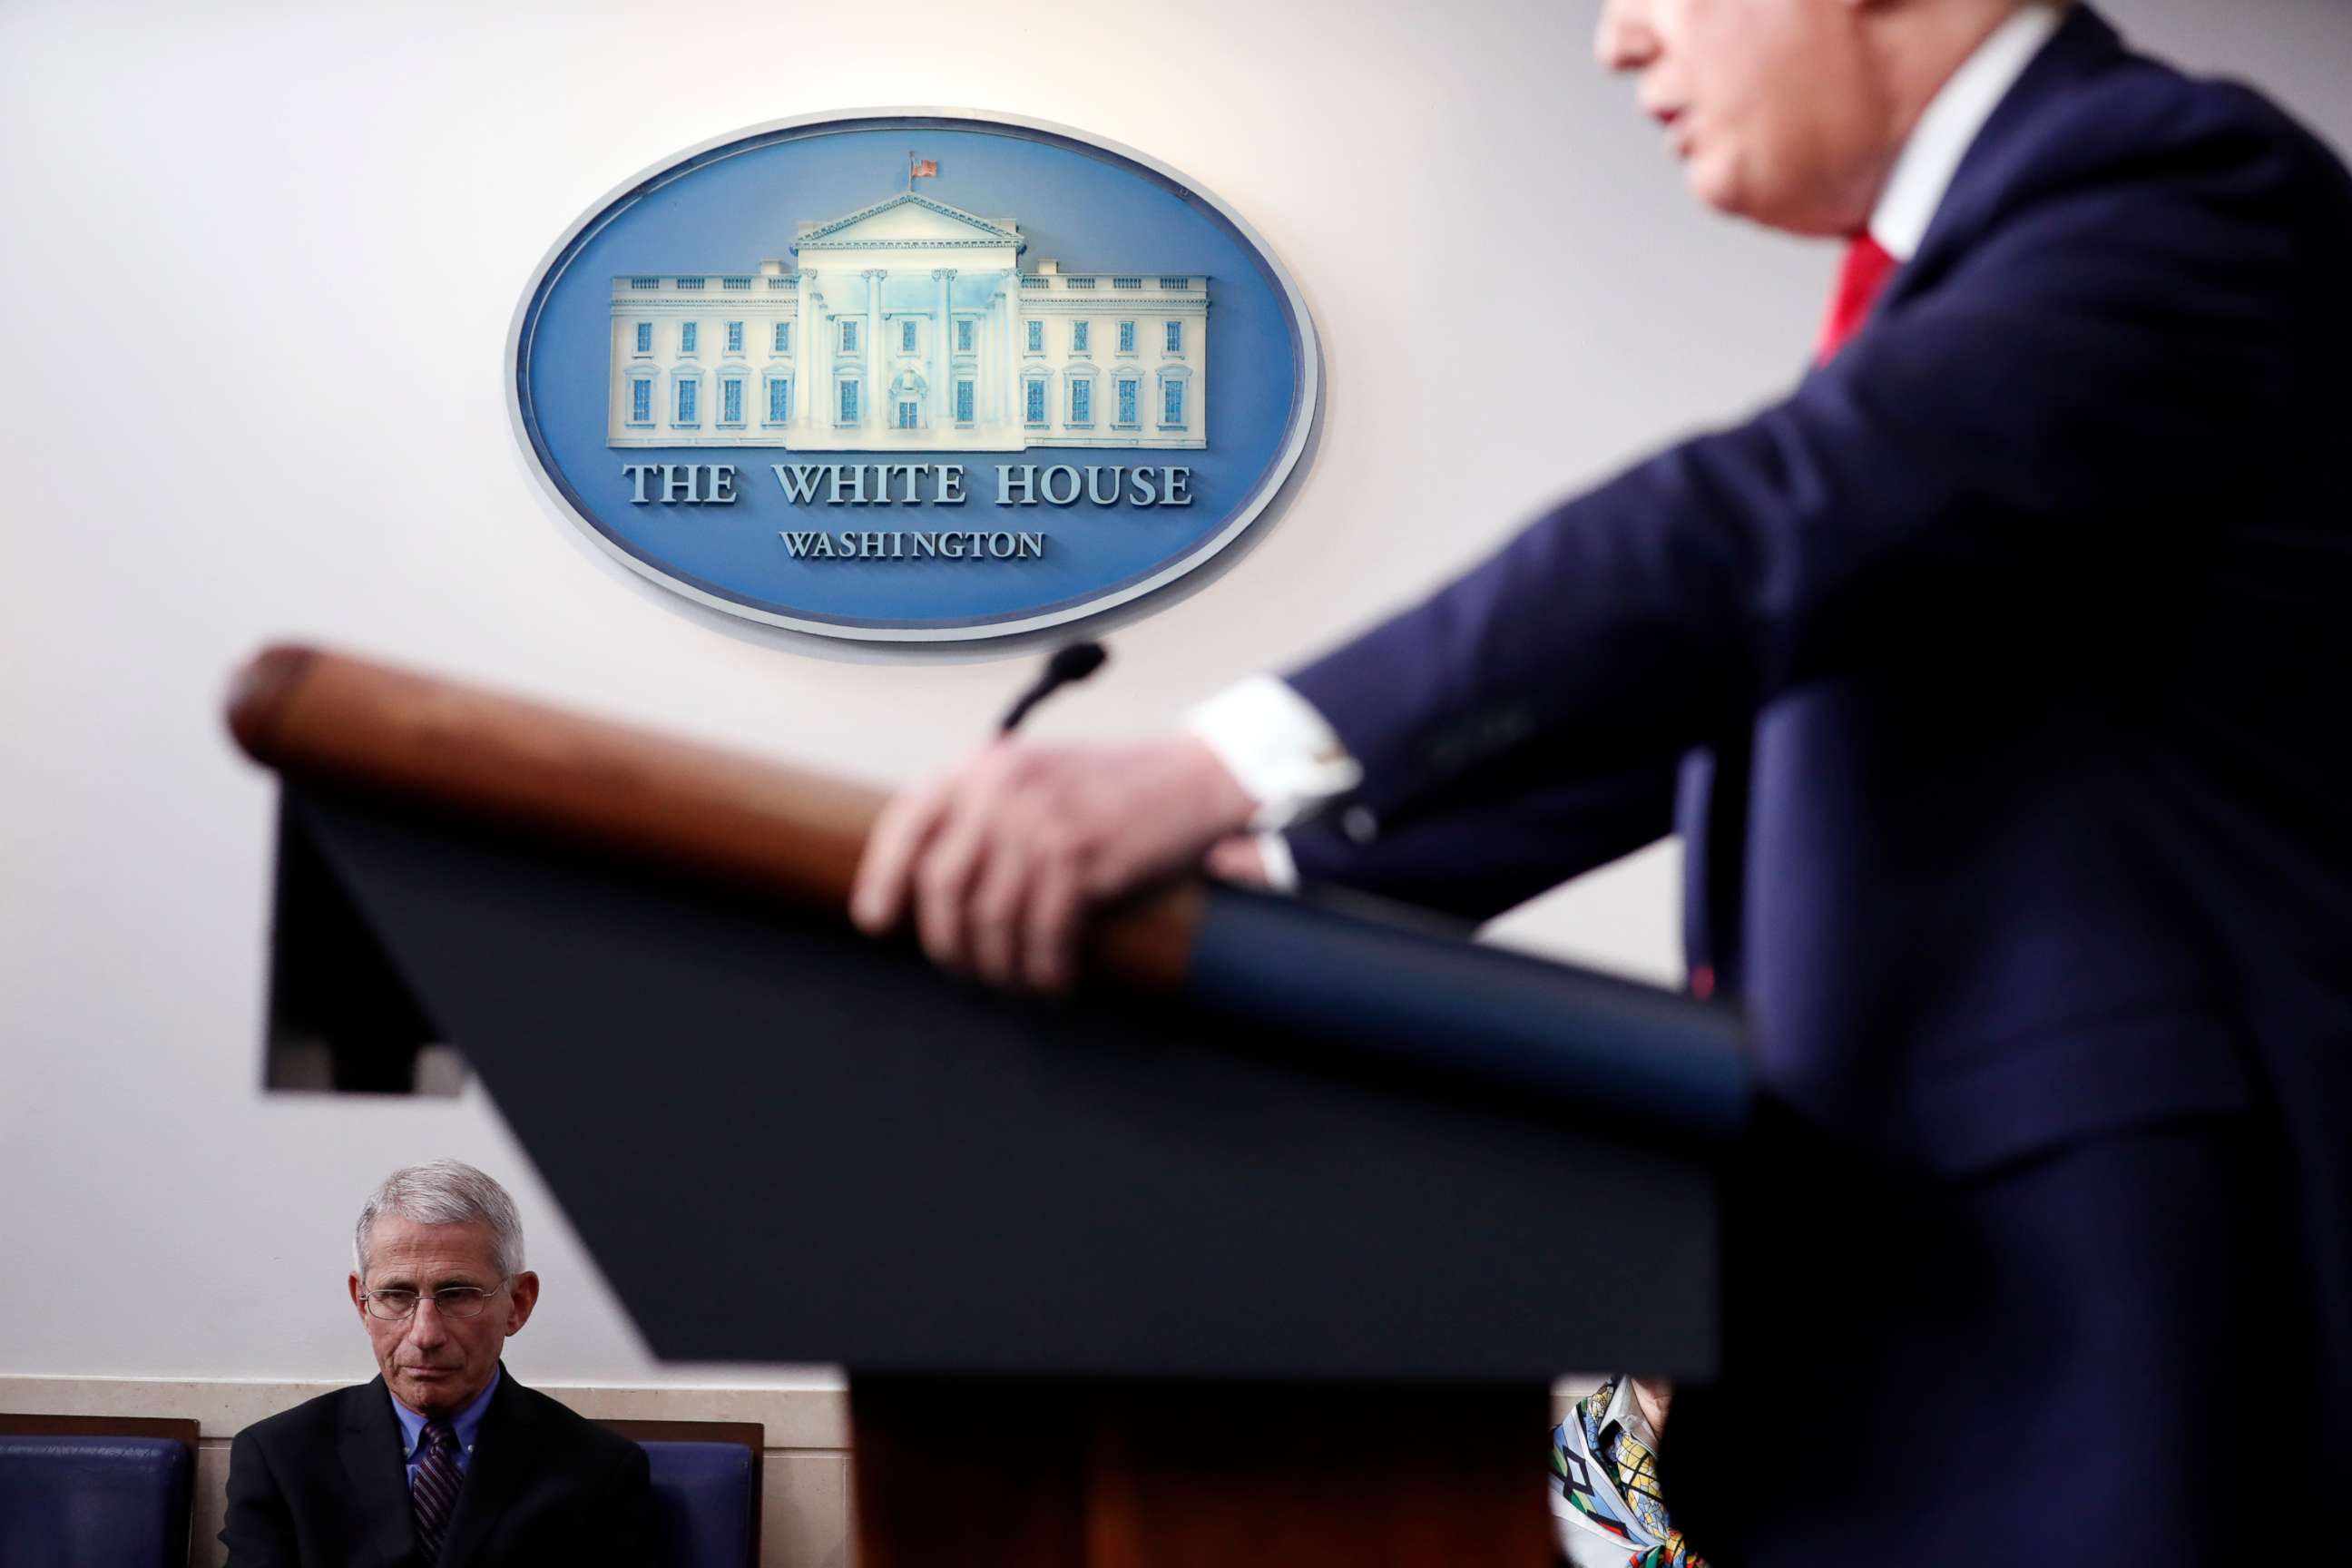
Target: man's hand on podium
(1002, 855)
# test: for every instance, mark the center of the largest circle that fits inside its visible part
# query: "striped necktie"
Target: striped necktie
(433, 1491)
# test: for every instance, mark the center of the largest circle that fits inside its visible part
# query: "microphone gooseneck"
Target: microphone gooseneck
(1069, 664)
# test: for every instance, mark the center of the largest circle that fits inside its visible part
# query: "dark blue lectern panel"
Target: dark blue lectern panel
(785, 1143)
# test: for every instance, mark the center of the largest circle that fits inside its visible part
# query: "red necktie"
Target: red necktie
(1860, 282)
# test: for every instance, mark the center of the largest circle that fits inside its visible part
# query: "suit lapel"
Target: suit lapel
(499, 1464)
(2083, 45)
(384, 1530)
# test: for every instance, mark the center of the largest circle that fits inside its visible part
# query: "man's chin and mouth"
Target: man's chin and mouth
(1675, 128)
(1712, 181)
(429, 1380)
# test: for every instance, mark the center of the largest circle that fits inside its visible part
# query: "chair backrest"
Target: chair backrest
(706, 1481)
(87, 1491)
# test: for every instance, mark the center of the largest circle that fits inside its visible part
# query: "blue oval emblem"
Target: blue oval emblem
(913, 377)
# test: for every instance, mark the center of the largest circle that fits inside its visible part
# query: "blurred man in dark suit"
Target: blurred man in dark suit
(443, 1460)
(1993, 681)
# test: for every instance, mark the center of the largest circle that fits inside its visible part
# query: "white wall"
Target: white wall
(285, 243)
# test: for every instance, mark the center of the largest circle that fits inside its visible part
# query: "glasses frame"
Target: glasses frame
(368, 1298)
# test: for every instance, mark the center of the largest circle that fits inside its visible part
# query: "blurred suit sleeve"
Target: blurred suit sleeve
(1497, 844)
(2009, 450)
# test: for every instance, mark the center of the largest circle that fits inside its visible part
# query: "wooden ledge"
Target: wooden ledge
(315, 715)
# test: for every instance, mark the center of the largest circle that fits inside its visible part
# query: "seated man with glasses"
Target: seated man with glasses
(443, 1460)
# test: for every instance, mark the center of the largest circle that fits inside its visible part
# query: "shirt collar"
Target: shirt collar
(1924, 169)
(468, 1420)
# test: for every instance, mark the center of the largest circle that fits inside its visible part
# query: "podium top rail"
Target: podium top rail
(312, 714)
(1390, 987)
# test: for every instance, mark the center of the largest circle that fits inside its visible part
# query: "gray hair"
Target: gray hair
(444, 1191)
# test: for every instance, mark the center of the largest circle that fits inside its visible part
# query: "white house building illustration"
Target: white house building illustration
(909, 324)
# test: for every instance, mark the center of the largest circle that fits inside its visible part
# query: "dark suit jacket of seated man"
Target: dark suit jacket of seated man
(444, 1458)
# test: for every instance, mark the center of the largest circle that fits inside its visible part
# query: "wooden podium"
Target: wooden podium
(1263, 1248)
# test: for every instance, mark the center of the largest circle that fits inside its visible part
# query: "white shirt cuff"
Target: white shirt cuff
(1285, 755)
(1280, 865)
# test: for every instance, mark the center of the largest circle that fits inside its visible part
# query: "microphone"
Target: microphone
(1069, 664)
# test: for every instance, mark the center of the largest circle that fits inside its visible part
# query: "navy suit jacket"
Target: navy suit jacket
(2029, 623)
(325, 1485)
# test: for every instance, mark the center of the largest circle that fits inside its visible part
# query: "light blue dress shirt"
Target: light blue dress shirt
(467, 1421)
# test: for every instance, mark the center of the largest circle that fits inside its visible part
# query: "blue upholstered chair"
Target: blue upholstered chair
(706, 1500)
(87, 1500)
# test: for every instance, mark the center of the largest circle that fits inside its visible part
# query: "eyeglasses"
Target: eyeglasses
(450, 1301)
